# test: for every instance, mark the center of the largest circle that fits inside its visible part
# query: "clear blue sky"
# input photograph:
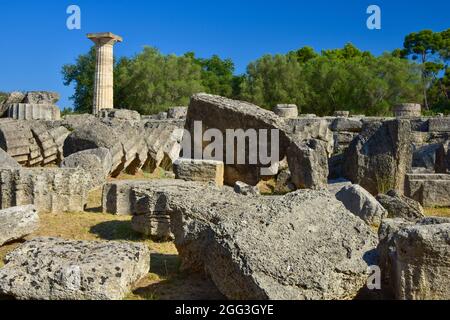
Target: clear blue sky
(35, 42)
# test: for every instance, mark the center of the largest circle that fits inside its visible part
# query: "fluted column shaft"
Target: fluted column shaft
(104, 71)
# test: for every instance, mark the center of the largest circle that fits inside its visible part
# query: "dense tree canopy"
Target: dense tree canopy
(320, 83)
(151, 82)
(431, 50)
(345, 79)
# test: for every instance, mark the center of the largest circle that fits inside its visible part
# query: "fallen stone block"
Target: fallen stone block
(17, 222)
(153, 225)
(346, 124)
(57, 269)
(24, 111)
(379, 158)
(98, 162)
(308, 163)
(199, 170)
(257, 125)
(443, 158)
(334, 186)
(362, 204)
(6, 161)
(177, 113)
(400, 206)
(120, 114)
(97, 135)
(439, 124)
(414, 258)
(425, 156)
(41, 97)
(312, 255)
(430, 190)
(50, 190)
(245, 189)
(117, 198)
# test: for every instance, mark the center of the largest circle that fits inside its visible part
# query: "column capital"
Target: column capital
(104, 38)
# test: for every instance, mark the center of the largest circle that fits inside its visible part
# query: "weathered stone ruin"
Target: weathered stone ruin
(312, 255)
(51, 190)
(58, 269)
(334, 181)
(36, 105)
(415, 258)
(307, 145)
(17, 222)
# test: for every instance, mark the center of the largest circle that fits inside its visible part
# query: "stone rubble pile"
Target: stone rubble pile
(355, 173)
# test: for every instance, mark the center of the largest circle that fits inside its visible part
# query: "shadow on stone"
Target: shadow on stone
(115, 230)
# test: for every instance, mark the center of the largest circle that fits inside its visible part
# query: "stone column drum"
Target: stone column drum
(408, 110)
(289, 111)
(104, 75)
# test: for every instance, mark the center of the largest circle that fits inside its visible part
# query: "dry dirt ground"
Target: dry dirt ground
(164, 281)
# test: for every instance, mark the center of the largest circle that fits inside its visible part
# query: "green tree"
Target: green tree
(423, 46)
(339, 79)
(272, 80)
(303, 55)
(81, 76)
(216, 74)
(349, 51)
(151, 82)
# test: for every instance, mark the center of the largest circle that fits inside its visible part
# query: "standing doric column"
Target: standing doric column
(104, 75)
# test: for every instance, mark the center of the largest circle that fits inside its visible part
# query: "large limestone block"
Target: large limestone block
(117, 198)
(256, 125)
(415, 258)
(17, 222)
(177, 113)
(41, 97)
(136, 197)
(400, 206)
(422, 262)
(425, 156)
(57, 269)
(346, 124)
(155, 226)
(379, 158)
(362, 204)
(199, 170)
(443, 158)
(304, 245)
(97, 135)
(308, 163)
(52, 190)
(6, 161)
(430, 190)
(313, 128)
(439, 124)
(97, 162)
(120, 114)
(24, 111)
